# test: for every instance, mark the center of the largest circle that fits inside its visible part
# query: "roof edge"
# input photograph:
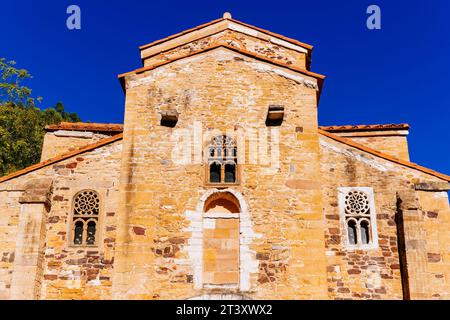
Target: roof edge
(204, 25)
(379, 154)
(365, 127)
(85, 126)
(215, 46)
(179, 34)
(63, 156)
(276, 35)
(118, 127)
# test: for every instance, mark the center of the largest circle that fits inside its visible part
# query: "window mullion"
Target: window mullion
(358, 231)
(84, 239)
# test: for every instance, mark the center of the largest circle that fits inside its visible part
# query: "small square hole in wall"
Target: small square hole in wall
(275, 115)
(168, 123)
(169, 118)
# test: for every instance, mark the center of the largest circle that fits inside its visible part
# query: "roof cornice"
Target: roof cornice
(365, 127)
(267, 32)
(318, 76)
(379, 154)
(85, 126)
(64, 156)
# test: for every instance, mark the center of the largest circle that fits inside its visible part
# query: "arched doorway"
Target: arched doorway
(221, 241)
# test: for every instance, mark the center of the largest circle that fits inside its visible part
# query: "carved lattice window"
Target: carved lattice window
(357, 217)
(86, 210)
(222, 160)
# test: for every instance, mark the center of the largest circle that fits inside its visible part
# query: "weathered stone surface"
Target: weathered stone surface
(390, 142)
(433, 186)
(394, 192)
(284, 238)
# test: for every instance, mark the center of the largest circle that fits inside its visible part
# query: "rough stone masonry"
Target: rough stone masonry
(109, 214)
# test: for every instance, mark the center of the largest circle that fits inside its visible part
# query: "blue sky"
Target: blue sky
(398, 74)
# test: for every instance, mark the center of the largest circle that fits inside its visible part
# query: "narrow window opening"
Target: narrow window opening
(91, 229)
(230, 173)
(352, 233)
(214, 173)
(78, 233)
(365, 239)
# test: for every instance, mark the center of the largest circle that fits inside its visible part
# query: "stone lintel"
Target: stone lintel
(34, 199)
(432, 186)
(37, 191)
(275, 115)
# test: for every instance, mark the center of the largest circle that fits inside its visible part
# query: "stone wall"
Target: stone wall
(373, 273)
(61, 271)
(61, 141)
(157, 240)
(391, 142)
(221, 90)
(436, 225)
(243, 41)
(9, 220)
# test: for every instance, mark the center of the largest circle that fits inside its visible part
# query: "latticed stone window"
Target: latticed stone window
(86, 211)
(358, 217)
(222, 160)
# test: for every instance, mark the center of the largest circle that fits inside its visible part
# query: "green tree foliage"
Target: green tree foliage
(21, 121)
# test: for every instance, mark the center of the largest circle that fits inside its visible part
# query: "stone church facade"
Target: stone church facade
(221, 184)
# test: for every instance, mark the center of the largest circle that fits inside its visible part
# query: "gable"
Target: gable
(390, 139)
(310, 79)
(235, 39)
(220, 80)
(382, 162)
(65, 156)
(216, 26)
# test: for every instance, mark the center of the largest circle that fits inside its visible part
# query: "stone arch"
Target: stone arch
(248, 263)
(222, 202)
(237, 195)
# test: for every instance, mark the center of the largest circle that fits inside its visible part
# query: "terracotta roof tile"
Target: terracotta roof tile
(84, 126)
(63, 156)
(365, 127)
(116, 127)
(383, 155)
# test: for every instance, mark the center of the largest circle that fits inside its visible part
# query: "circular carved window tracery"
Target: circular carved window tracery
(87, 203)
(357, 203)
(222, 148)
(223, 141)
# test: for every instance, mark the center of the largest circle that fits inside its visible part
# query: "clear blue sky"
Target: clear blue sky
(398, 74)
